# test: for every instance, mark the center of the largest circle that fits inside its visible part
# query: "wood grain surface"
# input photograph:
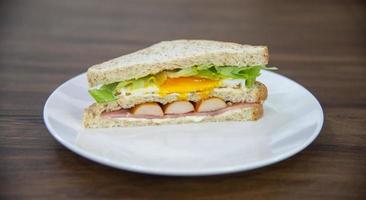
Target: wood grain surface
(320, 44)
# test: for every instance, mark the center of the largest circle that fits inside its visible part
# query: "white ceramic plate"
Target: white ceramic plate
(292, 120)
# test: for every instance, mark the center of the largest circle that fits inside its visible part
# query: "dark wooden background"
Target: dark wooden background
(320, 44)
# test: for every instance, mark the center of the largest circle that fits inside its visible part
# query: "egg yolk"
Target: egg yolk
(184, 85)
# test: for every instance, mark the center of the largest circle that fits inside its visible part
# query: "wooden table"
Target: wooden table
(320, 44)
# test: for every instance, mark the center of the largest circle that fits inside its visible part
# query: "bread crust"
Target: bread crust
(168, 55)
(93, 120)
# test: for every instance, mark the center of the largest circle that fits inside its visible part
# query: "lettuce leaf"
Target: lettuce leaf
(109, 92)
(104, 93)
(140, 83)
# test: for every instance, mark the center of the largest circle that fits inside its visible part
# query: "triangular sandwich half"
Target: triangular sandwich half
(175, 82)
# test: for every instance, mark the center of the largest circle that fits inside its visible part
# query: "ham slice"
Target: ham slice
(124, 113)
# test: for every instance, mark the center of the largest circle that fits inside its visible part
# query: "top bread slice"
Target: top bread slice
(168, 55)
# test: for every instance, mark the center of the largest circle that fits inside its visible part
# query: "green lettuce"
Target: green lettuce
(104, 93)
(109, 92)
(144, 82)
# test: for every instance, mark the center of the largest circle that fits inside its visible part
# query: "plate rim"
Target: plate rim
(146, 170)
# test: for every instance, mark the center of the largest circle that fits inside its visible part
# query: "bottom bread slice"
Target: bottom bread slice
(249, 113)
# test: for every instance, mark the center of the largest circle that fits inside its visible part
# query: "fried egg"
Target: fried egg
(185, 85)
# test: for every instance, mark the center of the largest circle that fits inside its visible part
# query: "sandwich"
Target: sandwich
(176, 82)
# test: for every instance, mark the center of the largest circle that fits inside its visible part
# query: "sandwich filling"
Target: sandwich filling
(200, 80)
(128, 113)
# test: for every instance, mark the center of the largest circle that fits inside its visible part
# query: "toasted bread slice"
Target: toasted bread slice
(168, 55)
